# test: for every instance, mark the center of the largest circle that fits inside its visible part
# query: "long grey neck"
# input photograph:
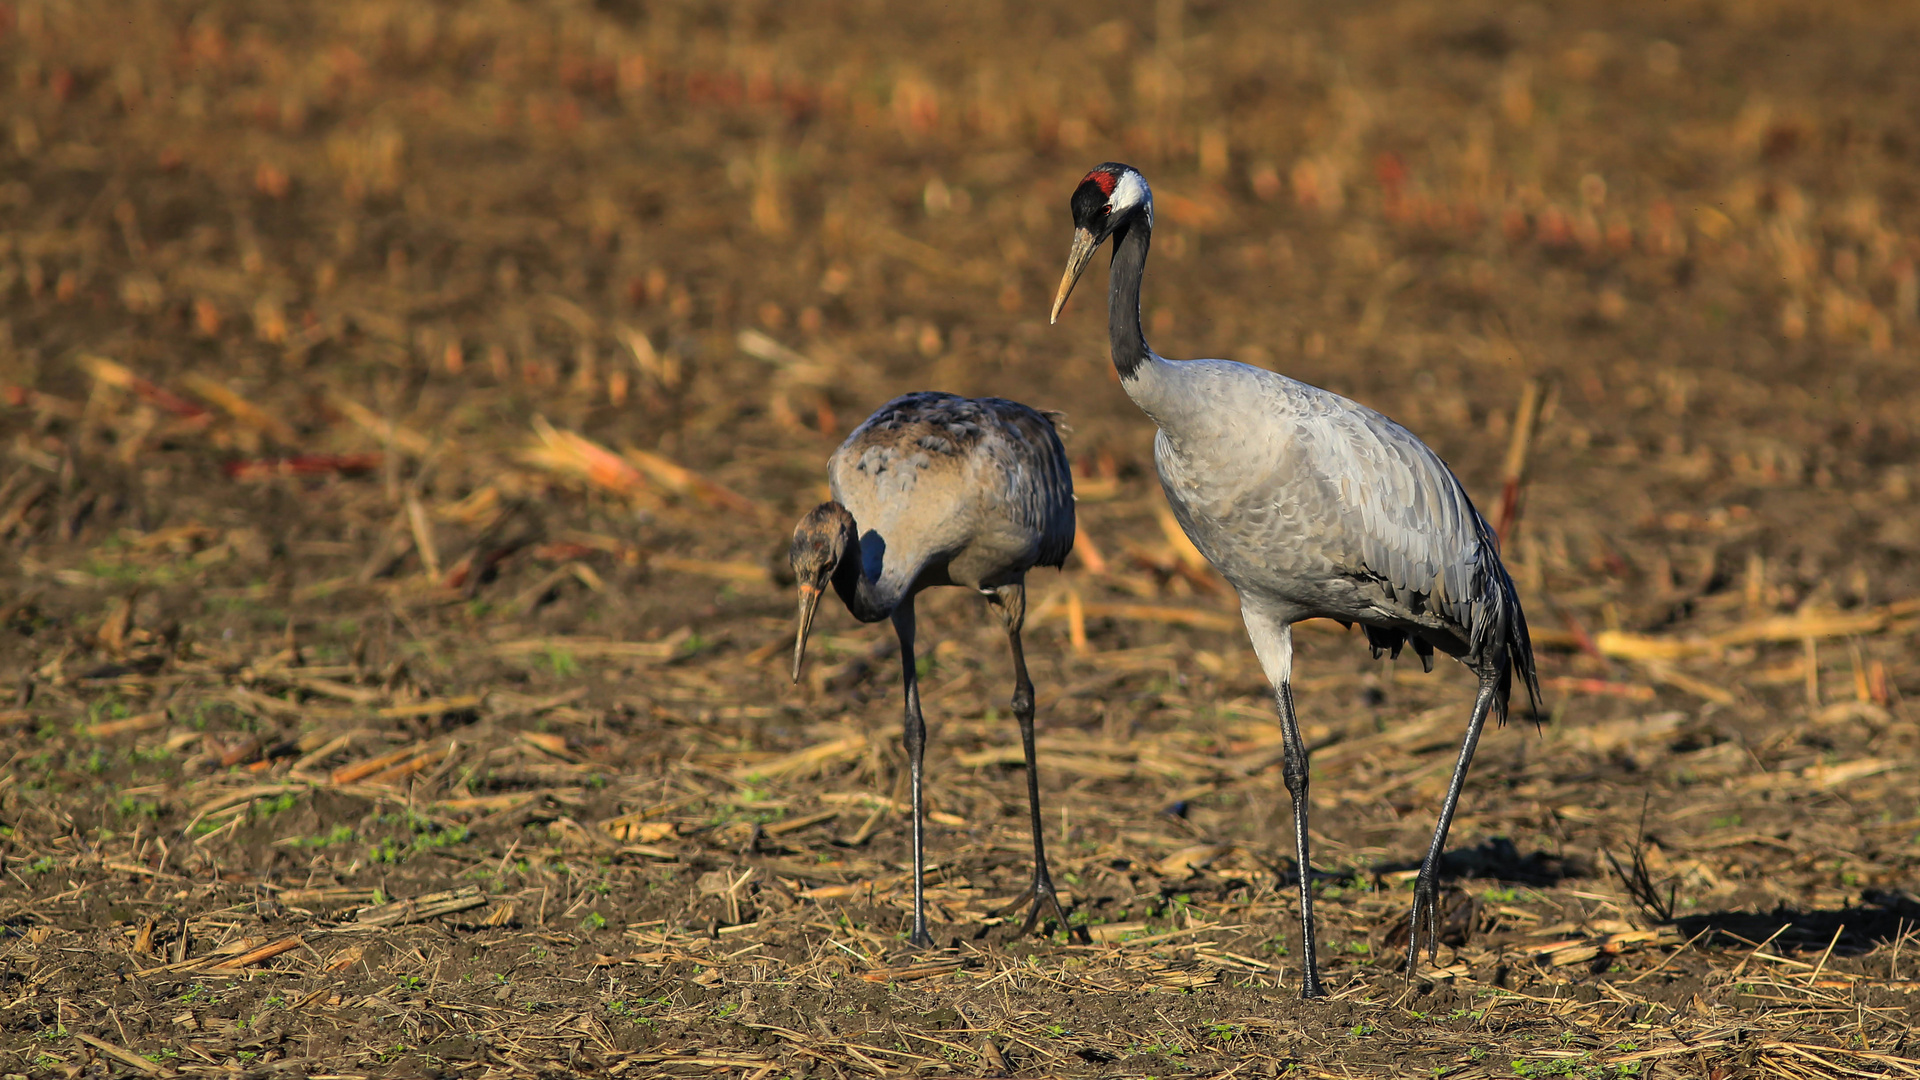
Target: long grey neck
(1129, 343)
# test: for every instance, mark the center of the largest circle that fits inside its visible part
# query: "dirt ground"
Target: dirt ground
(405, 405)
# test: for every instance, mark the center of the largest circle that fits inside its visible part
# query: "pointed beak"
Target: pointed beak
(809, 603)
(1077, 259)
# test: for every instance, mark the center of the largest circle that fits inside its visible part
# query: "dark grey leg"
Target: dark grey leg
(1294, 764)
(916, 741)
(1425, 917)
(1012, 601)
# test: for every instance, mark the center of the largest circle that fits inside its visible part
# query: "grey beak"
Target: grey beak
(809, 603)
(1077, 259)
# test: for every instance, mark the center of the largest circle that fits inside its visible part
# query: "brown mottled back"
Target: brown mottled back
(942, 424)
(949, 489)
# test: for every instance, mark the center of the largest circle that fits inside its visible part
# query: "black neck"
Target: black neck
(1129, 343)
(856, 591)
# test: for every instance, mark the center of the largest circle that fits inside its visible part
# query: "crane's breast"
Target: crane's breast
(1247, 507)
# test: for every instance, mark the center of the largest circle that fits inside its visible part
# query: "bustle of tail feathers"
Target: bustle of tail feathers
(1499, 635)
(1391, 641)
(1507, 642)
(1519, 647)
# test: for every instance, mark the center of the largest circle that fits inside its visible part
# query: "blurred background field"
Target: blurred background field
(404, 407)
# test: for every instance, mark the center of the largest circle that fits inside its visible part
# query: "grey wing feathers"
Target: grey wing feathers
(1419, 536)
(1414, 528)
(1040, 480)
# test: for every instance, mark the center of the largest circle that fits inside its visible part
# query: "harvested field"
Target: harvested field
(404, 407)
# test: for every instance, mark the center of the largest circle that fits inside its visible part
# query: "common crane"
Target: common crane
(936, 489)
(1311, 506)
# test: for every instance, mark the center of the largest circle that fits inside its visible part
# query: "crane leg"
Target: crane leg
(1273, 644)
(1294, 766)
(1012, 602)
(1424, 921)
(916, 743)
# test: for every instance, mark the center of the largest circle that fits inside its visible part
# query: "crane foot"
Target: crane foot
(1423, 922)
(1040, 899)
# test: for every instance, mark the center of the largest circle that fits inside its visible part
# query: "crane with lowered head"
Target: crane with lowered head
(936, 489)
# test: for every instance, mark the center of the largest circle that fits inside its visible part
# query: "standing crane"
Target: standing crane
(936, 489)
(1311, 506)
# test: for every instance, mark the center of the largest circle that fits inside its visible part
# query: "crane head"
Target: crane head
(1107, 199)
(820, 542)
